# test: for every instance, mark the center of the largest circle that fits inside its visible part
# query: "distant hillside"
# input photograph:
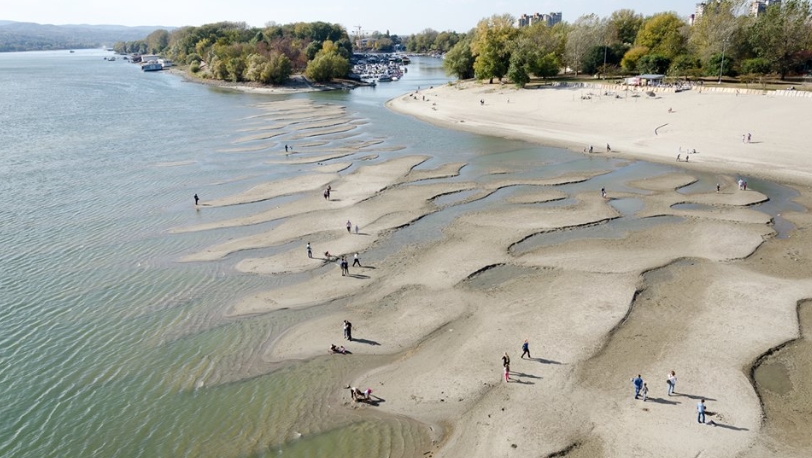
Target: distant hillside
(28, 36)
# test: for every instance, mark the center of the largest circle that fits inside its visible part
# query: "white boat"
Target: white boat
(165, 63)
(384, 79)
(151, 66)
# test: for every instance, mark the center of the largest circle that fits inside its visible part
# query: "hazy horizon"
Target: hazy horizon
(402, 18)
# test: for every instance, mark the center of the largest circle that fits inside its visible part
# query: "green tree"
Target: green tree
(663, 34)
(653, 63)
(312, 49)
(624, 25)
(756, 66)
(157, 41)
(491, 46)
(595, 58)
(715, 30)
(522, 60)
(685, 65)
(459, 60)
(716, 66)
(781, 34)
(547, 66)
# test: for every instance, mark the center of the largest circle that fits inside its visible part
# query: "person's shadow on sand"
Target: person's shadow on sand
(662, 401)
(359, 276)
(692, 396)
(522, 382)
(366, 341)
(522, 374)
(722, 425)
(374, 400)
(546, 361)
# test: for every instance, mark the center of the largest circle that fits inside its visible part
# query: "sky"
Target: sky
(401, 17)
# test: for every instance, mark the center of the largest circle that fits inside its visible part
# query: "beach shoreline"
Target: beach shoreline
(634, 124)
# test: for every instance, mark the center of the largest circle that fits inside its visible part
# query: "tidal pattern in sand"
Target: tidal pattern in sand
(111, 346)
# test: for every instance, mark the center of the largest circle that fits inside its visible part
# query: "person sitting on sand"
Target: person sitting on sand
(355, 393)
(367, 394)
(341, 349)
(328, 255)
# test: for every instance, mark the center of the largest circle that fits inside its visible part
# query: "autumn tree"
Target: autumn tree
(663, 34)
(327, 64)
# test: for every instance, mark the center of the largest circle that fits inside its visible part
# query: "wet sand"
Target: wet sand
(705, 293)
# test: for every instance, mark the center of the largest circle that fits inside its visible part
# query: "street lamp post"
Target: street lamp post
(722, 65)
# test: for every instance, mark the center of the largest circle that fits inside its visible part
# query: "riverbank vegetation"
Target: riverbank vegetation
(233, 51)
(725, 41)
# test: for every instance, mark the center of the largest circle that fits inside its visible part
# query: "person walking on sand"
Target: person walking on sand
(286, 148)
(197, 199)
(608, 149)
(638, 385)
(678, 155)
(309, 251)
(356, 261)
(349, 227)
(356, 229)
(700, 411)
(603, 193)
(672, 382)
(326, 194)
(718, 188)
(644, 392)
(526, 349)
(748, 137)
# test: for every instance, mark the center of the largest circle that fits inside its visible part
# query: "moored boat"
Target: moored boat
(151, 66)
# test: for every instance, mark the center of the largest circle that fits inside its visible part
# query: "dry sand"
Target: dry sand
(707, 296)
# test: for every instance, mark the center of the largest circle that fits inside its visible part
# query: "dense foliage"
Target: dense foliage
(725, 40)
(235, 52)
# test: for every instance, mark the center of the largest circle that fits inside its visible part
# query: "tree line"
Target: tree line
(725, 40)
(233, 51)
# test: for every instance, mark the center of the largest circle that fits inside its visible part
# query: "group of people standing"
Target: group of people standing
(641, 388)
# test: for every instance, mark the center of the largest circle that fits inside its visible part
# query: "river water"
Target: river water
(111, 347)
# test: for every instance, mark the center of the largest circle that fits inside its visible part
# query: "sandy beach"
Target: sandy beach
(698, 283)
